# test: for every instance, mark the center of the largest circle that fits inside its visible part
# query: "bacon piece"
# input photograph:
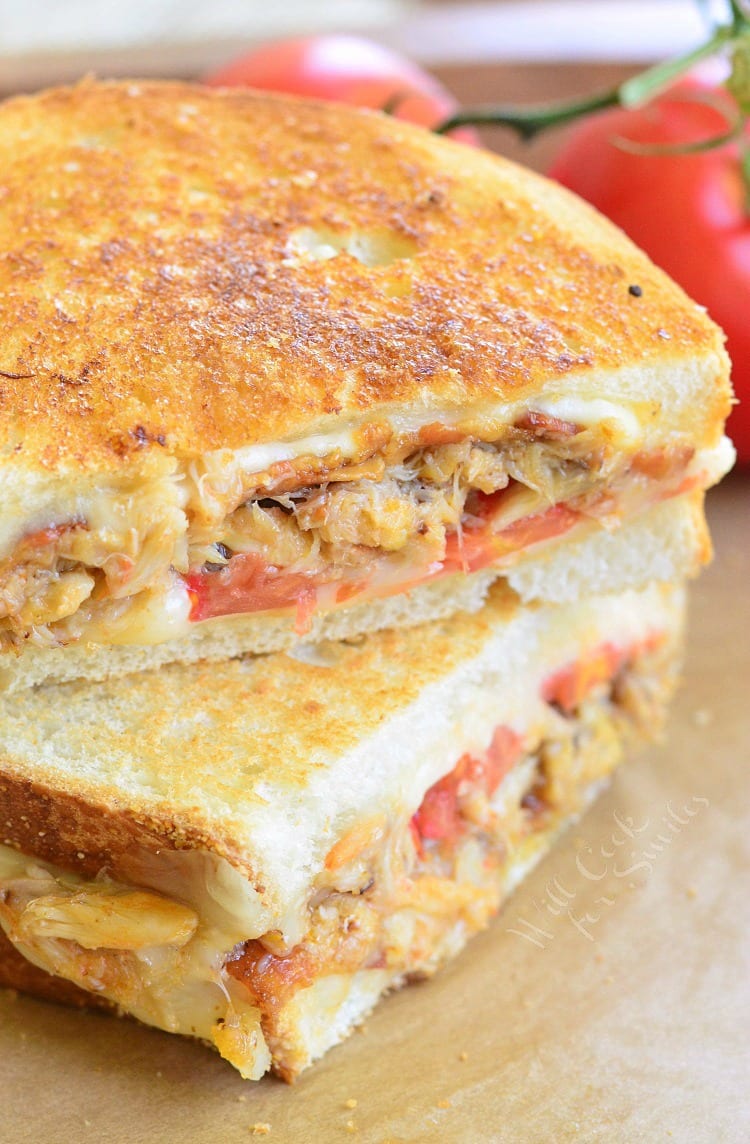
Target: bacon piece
(543, 425)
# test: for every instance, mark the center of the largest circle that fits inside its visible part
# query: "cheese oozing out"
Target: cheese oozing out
(155, 616)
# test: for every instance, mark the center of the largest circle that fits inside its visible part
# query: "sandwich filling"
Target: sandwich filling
(394, 897)
(379, 514)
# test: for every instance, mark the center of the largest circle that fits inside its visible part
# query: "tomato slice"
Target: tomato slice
(248, 584)
(501, 754)
(570, 685)
(477, 548)
(439, 815)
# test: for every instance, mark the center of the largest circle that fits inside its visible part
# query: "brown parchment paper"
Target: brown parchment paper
(609, 1002)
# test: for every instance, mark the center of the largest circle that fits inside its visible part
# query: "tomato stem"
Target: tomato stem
(529, 121)
(733, 36)
(641, 88)
(739, 19)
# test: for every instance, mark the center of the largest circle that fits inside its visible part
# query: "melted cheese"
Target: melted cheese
(34, 501)
(157, 616)
(151, 617)
(152, 955)
(595, 411)
(708, 466)
(258, 458)
(155, 511)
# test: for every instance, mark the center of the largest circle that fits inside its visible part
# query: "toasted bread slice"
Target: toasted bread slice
(264, 355)
(253, 851)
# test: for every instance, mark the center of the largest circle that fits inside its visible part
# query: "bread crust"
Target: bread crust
(158, 298)
(87, 836)
(287, 990)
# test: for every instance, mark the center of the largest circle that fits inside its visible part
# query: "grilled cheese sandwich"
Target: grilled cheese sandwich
(223, 852)
(273, 359)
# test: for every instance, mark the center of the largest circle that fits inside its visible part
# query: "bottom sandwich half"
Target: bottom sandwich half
(251, 852)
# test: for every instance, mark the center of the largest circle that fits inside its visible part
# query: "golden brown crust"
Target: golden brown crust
(610, 704)
(80, 835)
(153, 299)
(89, 825)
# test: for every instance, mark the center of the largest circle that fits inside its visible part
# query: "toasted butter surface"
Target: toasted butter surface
(186, 270)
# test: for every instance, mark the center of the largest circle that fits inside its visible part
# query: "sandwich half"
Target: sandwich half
(282, 363)
(252, 852)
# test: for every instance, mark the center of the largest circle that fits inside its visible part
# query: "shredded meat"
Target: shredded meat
(356, 519)
(418, 890)
(336, 526)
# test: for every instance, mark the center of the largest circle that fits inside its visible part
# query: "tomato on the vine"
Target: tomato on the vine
(687, 211)
(345, 69)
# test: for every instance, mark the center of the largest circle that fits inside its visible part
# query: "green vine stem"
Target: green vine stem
(528, 121)
(731, 38)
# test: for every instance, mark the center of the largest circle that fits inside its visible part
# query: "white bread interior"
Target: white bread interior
(669, 541)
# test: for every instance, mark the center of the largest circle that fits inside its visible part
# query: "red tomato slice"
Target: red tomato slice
(570, 686)
(477, 548)
(344, 69)
(245, 584)
(439, 815)
(501, 755)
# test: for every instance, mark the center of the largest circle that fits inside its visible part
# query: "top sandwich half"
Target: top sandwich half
(283, 358)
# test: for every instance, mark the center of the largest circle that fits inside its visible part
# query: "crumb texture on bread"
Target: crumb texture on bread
(667, 543)
(250, 759)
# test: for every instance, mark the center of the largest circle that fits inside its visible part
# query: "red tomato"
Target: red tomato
(439, 816)
(686, 211)
(345, 69)
(502, 753)
(245, 584)
(477, 548)
(569, 686)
